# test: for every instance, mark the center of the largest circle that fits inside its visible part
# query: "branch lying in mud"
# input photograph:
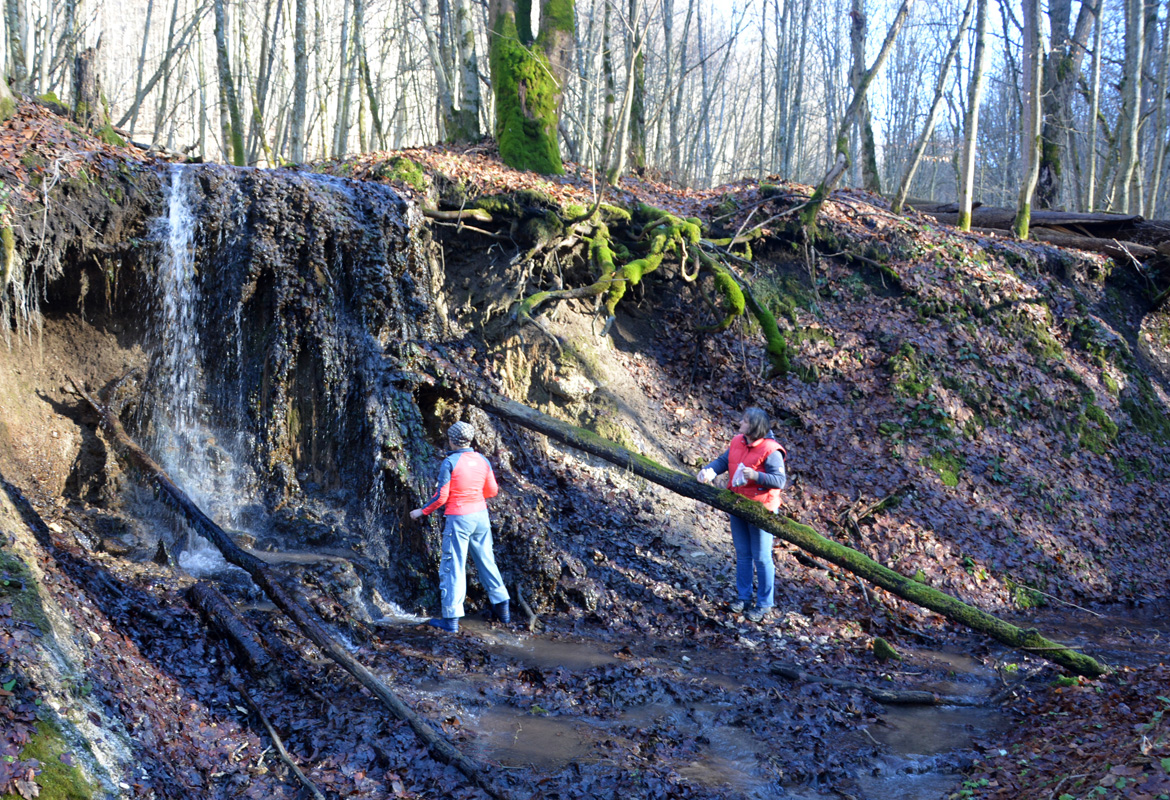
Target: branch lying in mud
(891, 697)
(792, 532)
(290, 603)
(277, 742)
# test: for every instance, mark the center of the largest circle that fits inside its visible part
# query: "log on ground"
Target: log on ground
(795, 533)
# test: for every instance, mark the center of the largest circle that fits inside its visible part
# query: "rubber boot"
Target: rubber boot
(501, 612)
(448, 624)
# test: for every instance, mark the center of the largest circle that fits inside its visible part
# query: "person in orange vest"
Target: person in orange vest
(754, 463)
(465, 482)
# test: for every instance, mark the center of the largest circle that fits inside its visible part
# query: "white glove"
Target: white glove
(706, 475)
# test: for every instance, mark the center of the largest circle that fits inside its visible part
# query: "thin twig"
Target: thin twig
(276, 740)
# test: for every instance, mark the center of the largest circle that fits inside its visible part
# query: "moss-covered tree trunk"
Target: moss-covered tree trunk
(227, 88)
(7, 101)
(1032, 61)
(792, 532)
(1062, 70)
(528, 78)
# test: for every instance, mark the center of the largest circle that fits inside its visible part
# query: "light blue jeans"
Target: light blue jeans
(753, 558)
(465, 533)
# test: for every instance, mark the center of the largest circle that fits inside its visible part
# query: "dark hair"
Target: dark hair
(758, 423)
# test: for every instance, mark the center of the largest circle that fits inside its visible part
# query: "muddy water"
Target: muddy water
(913, 753)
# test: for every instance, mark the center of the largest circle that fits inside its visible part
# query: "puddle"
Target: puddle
(728, 757)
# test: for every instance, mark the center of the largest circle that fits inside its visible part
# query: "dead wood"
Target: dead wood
(290, 602)
(1120, 250)
(803, 536)
(477, 214)
(221, 614)
(890, 697)
(277, 742)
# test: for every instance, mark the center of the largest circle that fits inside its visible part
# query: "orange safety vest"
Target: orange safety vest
(753, 457)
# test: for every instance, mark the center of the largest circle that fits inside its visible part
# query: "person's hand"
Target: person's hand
(750, 474)
(418, 512)
(706, 475)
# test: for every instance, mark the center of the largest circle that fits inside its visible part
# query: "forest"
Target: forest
(264, 263)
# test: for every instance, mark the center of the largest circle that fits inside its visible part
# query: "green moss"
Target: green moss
(911, 380)
(948, 464)
(57, 780)
(1145, 409)
(884, 651)
(1111, 384)
(110, 136)
(17, 586)
(7, 256)
(527, 101)
(7, 107)
(403, 170)
(1096, 430)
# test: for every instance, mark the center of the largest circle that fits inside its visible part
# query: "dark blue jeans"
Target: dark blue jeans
(753, 557)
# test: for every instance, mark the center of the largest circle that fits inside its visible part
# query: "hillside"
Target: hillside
(988, 416)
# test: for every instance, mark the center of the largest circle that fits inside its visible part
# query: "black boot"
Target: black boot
(501, 611)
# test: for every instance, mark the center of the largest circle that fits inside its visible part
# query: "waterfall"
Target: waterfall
(186, 444)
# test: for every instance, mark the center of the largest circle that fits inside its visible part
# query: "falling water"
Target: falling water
(186, 445)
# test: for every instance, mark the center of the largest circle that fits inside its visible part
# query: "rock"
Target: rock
(570, 387)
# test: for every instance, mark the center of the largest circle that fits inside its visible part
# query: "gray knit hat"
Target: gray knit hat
(461, 434)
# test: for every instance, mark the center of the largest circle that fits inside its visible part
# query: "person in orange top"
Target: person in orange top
(754, 463)
(466, 480)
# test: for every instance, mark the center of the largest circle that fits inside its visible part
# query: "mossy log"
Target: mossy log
(795, 533)
(290, 602)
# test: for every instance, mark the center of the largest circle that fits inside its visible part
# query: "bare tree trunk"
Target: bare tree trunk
(676, 109)
(1062, 70)
(17, 24)
(971, 117)
(1153, 203)
(808, 216)
(870, 178)
(1094, 112)
(1135, 20)
(637, 123)
(141, 64)
(621, 140)
(935, 106)
(300, 97)
(234, 129)
(1032, 62)
(87, 92)
(341, 121)
(470, 101)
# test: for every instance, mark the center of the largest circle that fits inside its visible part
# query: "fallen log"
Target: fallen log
(802, 536)
(1122, 251)
(220, 613)
(890, 697)
(290, 603)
